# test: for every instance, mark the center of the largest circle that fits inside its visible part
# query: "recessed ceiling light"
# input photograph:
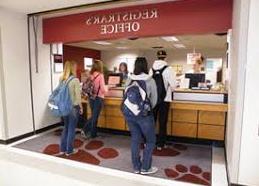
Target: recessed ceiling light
(179, 45)
(102, 42)
(122, 47)
(170, 38)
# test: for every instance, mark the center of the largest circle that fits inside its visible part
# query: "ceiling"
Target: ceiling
(199, 42)
(35, 6)
(32, 6)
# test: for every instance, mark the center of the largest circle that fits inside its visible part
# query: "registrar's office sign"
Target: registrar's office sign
(169, 18)
(122, 21)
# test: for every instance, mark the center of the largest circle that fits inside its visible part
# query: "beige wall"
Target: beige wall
(237, 64)
(16, 96)
(41, 80)
(114, 57)
(249, 153)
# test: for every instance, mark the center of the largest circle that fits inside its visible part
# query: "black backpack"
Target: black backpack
(161, 91)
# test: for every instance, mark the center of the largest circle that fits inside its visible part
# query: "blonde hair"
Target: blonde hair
(69, 70)
(97, 66)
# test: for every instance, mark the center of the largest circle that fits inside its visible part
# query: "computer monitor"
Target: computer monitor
(115, 79)
(195, 79)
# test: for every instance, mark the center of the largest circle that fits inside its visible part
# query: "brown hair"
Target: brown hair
(97, 66)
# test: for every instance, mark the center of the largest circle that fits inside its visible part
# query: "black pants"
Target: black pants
(161, 113)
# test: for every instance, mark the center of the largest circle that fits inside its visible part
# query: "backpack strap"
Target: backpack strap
(99, 84)
(160, 70)
(96, 77)
(69, 79)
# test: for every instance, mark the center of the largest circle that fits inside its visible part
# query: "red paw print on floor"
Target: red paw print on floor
(174, 150)
(193, 174)
(84, 154)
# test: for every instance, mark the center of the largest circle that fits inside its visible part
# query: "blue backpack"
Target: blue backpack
(60, 103)
(135, 99)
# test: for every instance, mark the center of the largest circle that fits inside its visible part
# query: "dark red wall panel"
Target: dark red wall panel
(77, 54)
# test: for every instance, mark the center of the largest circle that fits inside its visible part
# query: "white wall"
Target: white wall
(249, 156)
(237, 70)
(15, 74)
(2, 93)
(41, 80)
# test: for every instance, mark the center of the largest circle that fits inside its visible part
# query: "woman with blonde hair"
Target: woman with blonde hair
(95, 100)
(70, 121)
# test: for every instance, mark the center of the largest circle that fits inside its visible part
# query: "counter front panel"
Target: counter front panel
(201, 120)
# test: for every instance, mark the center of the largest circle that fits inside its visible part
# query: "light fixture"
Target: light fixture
(170, 38)
(102, 42)
(179, 45)
(122, 47)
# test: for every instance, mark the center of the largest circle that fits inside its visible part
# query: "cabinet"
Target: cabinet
(211, 125)
(199, 120)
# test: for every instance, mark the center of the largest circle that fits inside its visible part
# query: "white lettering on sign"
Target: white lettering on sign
(121, 22)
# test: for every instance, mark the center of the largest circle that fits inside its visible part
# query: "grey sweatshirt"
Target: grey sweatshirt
(151, 86)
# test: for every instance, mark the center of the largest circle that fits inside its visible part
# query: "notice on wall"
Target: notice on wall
(88, 62)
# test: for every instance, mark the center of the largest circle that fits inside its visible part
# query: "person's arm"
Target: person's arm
(151, 72)
(153, 92)
(171, 77)
(102, 84)
(78, 100)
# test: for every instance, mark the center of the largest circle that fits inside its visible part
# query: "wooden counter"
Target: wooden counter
(201, 120)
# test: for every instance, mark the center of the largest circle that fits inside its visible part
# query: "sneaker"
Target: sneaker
(74, 152)
(85, 136)
(161, 147)
(152, 170)
(60, 154)
(136, 171)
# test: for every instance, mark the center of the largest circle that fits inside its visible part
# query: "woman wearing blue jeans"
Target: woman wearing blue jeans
(70, 121)
(96, 102)
(143, 126)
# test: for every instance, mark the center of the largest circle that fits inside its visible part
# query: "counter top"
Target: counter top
(189, 105)
(179, 90)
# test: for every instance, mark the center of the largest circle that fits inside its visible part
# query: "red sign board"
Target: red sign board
(170, 18)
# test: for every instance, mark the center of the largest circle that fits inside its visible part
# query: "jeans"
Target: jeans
(142, 127)
(68, 133)
(161, 112)
(91, 125)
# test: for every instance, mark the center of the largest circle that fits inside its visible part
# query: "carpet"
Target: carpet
(182, 162)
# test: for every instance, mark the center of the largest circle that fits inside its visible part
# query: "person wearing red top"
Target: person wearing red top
(96, 103)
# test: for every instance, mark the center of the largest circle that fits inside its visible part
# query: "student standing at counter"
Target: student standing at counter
(70, 121)
(96, 100)
(165, 78)
(139, 99)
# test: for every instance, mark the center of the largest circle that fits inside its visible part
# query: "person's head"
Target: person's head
(97, 66)
(161, 55)
(140, 66)
(85, 75)
(198, 65)
(69, 69)
(123, 68)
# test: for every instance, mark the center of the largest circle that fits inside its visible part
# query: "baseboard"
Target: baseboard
(17, 138)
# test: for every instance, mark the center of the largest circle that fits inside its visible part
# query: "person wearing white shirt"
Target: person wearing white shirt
(168, 80)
